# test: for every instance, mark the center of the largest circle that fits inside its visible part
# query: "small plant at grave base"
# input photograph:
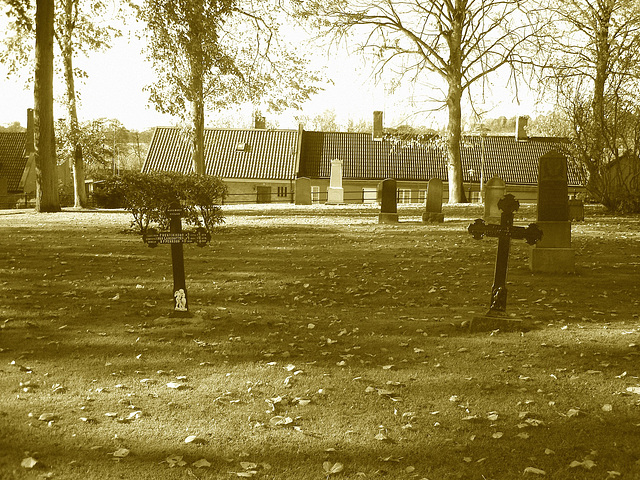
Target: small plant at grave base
(317, 336)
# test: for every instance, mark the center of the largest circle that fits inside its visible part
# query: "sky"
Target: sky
(116, 78)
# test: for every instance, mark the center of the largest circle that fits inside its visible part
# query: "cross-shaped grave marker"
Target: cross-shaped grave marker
(176, 237)
(505, 232)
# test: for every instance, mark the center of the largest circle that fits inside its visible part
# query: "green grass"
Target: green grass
(352, 327)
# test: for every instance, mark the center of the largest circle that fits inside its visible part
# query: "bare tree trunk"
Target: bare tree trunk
(79, 193)
(47, 199)
(454, 134)
(601, 30)
(198, 123)
(454, 99)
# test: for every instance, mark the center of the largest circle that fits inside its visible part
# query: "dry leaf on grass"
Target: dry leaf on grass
(331, 469)
(195, 440)
(121, 453)
(175, 461)
(535, 471)
(29, 462)
(202, 463)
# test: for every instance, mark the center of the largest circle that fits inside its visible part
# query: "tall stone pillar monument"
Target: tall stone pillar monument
(335, 192)
(553, 253)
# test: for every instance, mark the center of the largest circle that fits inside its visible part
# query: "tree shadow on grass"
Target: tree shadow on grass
(473, 451)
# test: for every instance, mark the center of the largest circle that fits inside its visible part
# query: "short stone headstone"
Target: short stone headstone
(335, 192)
(303, 191)
(388, 201)
(576, 210)
(433, 207)
(553, 253)
(494, 191)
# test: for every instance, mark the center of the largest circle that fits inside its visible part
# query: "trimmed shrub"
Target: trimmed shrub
(148, 196)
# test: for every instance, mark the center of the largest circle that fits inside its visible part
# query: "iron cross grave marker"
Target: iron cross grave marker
(176, 238)
(504, 232)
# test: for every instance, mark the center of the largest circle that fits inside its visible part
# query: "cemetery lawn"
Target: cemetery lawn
(322, 345)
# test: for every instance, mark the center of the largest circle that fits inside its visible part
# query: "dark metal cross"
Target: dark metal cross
(505, 232)
(176, 237)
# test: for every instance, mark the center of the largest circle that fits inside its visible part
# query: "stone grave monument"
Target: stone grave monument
(576, 210)
(335, 192)
(388, 201)
(494, 191)
(433, 208)
(303, 191)
(496, 317)
(553, 253)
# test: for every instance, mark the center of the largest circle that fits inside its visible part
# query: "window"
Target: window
(404, 195)
(315, 194)
(282, 191)
(422, 196)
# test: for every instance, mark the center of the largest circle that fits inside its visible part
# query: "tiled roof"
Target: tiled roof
(13, 158)
(245, 154)
(516, 162)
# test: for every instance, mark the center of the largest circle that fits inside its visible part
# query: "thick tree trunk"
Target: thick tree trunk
(454, 134)
(47, 199)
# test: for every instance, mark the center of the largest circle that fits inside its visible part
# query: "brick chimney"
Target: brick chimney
(377, 126)
(521, 129)
(260, 123)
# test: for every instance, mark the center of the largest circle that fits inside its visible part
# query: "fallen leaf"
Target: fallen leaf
(175, 460)
(29, 462)
(121, 453)
(535, 471)
(280, 421)
(331, 469)
(587, 464)
(202, 463)
(48, 417)
(195, 440)
(176, 385)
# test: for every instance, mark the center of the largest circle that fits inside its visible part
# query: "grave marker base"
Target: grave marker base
(335, 196)
(552, 260)
(490, 322)
(388, 218)
(432, 217)
(180, 314)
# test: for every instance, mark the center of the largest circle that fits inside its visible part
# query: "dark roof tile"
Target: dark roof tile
(516, 162)
(13, 158)
(266, 154)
